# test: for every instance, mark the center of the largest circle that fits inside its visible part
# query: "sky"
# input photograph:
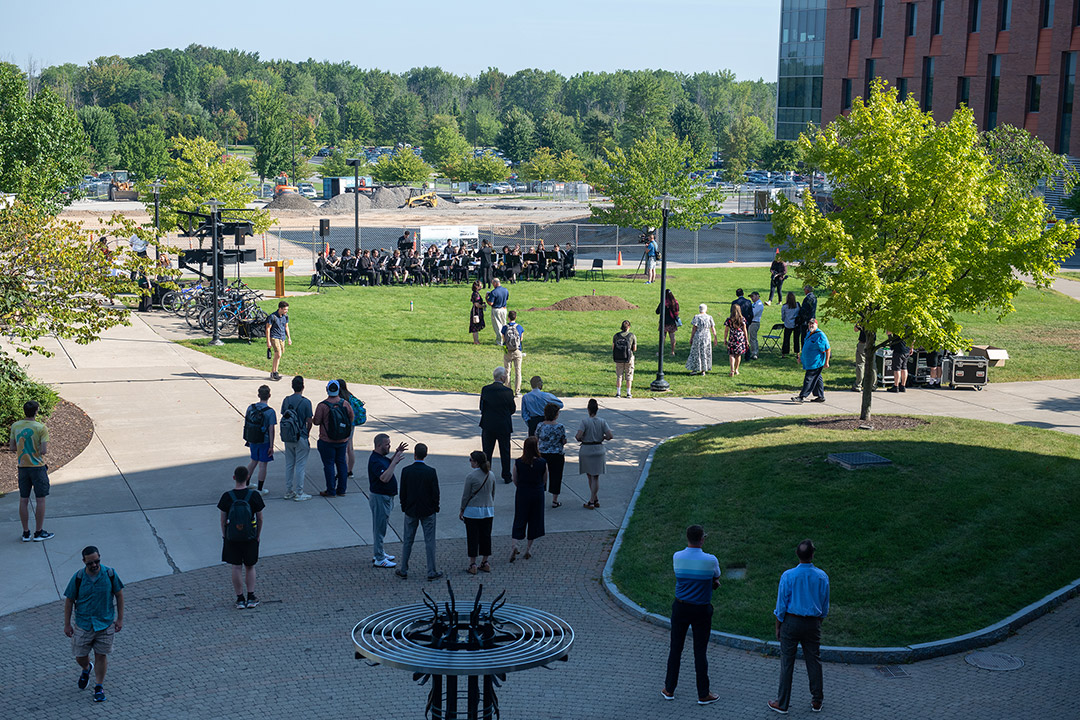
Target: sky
(460, 37)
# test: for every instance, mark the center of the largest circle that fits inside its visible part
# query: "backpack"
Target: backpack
(78, 584)
(289, 426)
(621, 351)
(359, 413)
(337, 422)
(240, 522)
(513, 337)
(255, 424)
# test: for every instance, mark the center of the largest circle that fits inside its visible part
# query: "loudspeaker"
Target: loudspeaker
(239, 236)
(324, 227)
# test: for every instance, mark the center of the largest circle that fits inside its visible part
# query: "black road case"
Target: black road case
(965, 371)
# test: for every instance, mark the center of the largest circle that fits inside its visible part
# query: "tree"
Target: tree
(447, 147)
(569, 167)
(541, 166)
(556, 131)
(654, 165)
(357, 122)
(517, 139)
(336, 166)
(403, 120)
(646, 109)
(780, 155)
(598, 133)
(231, 127)
(486, 168)
(329, 130)
(101, 130)
(42, 143)
(742, 142)
(146, 153)
(481, 122)
(929, 224)
(688, 121)
(402, 166)
(197, 172)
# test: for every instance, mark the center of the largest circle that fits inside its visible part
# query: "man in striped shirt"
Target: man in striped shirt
(697, 574)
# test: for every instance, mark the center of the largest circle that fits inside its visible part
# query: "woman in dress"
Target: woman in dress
(552, 437)
(478, 511)
(530, 478)
(670, 318)
(788, 312)
(701, 327)
(592, 433)
(735, 337)
(476, 314)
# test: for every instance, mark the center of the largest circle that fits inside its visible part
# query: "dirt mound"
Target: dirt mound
(588, 303)
(344, 204)
(379, 198)
(294, 203)
(879, 422)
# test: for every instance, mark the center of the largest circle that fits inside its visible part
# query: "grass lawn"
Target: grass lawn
(1069, 274)
(369, 335)
(972, 522)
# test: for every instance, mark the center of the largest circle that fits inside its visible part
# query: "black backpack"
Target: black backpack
(621, 349)
(338, 425)
(255, 424)
(240, 522)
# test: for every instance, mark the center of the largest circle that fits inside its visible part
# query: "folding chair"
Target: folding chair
(772, 340)
(597, 266)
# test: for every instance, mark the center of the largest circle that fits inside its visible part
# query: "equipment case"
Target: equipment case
(965, 371)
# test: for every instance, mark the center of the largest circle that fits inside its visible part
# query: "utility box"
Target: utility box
(995, 356)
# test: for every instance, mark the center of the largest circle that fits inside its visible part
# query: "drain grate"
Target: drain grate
(858, 460)
(891, 672)
(999, 661)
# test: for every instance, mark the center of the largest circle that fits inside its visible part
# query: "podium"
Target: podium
(279, 275)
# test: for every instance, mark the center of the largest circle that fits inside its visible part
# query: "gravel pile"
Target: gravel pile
(343, 204)
(588, 303)
(381, 198)
(295, 203)
(388, 198)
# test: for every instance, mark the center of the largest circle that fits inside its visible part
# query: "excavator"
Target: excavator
(282, 186)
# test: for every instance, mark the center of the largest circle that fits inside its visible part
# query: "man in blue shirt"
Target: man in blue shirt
(650, 256)
(697, 574)
(534, 402)
(814, 358)
(802, 602)
(497, 299)
(277, 335)
(90, 594)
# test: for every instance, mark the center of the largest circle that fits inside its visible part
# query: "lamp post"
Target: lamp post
(215, 218)
(157, 185)
(660, 384)
(355, 164)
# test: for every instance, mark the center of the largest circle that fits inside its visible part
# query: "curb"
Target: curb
(988, 635)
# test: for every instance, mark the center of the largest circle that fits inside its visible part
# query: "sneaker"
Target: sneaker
(892, 389)
(42, 535)
(436, 576)
(708, 699)
(288, 496)
(768, 302)
(384, 563)
(388, 556)
(301, 497)
(26, 536)
(818, 399)
(618, 394)
(776, 706)
(403, 574)
(264, 491)
(666, 695)
(252, 601)
(628, 395)
(797, 399)
(84, 678)
(99, 694)
(241, 603)
(903, 389)
(815, 705)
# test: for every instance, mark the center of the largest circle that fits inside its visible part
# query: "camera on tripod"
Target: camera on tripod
(646, 236)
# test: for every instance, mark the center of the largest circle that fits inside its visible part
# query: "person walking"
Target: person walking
(814, 358)
(420, 504)
(623, 347)
(277, 335)
(478, 511)
(512, 334)
(476, 317)
(802, 603)
(497, 298)
(334, 417)
(697, 574)
(758, 309)
(530, 479)
(592, 433)
(735, 338)
(702, 342)
(864, 371)
(807, 312)
(777, 276)
(789, 312)
(651, 254)
(29, 439)
(900, 351)
(552, 437)
(295, 425)
(241, 527)
(259, 423)
(497, 409)
(382, 487)
(534, 403)
(670, 319)
(96, 594)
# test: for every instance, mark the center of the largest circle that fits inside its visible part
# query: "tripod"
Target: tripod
(644, 254)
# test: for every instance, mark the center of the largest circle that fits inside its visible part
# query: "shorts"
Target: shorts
(244, 553)
(933, 359)
(899, 360)
(650, 263)
(261, 452)
(100, 641)
(36, 477)
(625, 369)
(278, 346)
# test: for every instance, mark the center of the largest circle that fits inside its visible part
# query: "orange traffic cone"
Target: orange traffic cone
(618, 260)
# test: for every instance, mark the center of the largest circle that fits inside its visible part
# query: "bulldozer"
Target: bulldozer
(424, 199)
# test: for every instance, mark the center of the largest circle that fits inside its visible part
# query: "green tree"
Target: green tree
(329, 130)
(482, 123)
(402, 166)
(646, 109)
(197, 171)
(688, 121)
(654, 165)
(146, 153)
(928, 225)
(357, 122)
(742, 143)
(485, 168)
(403, 120)
(541, 166)
(517, 138)
(230, 126)
(598, 133)
(556, 131)
(42, 143)
(101, 130)
(780, 155)
(336, 166)
(447, 148)
(568, 166)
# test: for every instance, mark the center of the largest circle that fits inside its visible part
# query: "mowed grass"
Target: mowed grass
(370, 335)
(972, 522)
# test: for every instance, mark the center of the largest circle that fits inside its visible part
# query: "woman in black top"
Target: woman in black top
(476, 315)
(530, 478)
(670, 319)
(487, 264)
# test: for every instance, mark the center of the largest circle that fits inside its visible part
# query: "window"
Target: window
(845, 93)
(928, 84)
(974, 15)
(870, 72)
(879, 17)
(1005, 20)
(1068, 87)
(963, 91)
(1034, 92)
(1047, 14)
(936, 13)
(901, 89)
(856, 19)
(993, 86)
(912, 19)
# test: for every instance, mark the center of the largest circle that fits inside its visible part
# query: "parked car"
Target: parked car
(519, 187)
(504, 188)
(487, 189)
(307, 190)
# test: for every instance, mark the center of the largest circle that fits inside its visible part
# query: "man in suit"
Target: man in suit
(497, 409)
(420, 502)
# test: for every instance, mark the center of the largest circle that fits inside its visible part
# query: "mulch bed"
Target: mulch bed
(877, 422)
(70, 430)
(587, 303)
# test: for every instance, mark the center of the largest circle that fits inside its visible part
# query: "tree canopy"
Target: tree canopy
(404, 166)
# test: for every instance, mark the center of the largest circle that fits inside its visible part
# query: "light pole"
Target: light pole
(355, 164)
(157, 185)
(660, 384)
(216, 282)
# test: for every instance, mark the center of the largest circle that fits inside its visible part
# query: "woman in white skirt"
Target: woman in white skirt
(592, 433)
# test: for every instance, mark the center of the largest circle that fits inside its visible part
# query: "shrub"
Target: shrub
(16, 388)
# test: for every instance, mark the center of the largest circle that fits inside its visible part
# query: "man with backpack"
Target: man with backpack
(259, 422)
(90, 593)
(334, 417)
(623, 347)
(511, 340)
(295, 428)
(241, 526)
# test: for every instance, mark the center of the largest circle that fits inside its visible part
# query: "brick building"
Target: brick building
(1010, 61)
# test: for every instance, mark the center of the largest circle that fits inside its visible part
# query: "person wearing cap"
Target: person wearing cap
(331, 451)
(651, 253)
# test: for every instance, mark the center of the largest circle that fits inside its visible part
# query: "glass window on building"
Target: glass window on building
(856, 21)
(845, 94)
(1005, 20)
(1046, 12)
(912, 19)
(801, 66)
(1034, 93)
(936, 15)
(993, 88)
(928, 84)
(870, 73)
(974, 15)
(1068, 88)
(963, 91)
(879, 17)
(901, 88)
